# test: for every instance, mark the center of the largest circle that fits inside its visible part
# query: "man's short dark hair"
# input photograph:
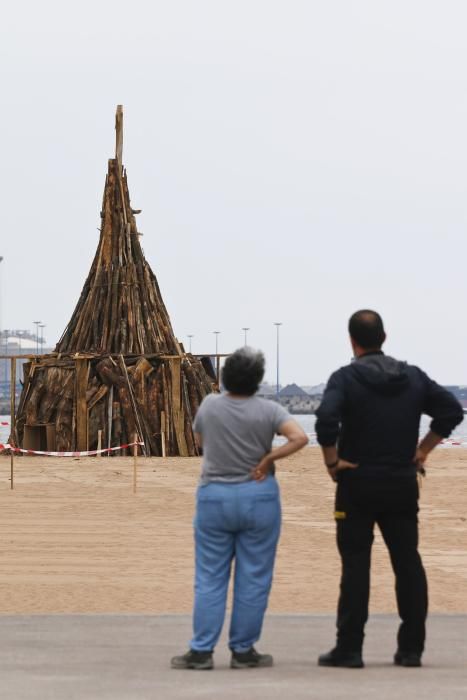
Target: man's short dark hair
(243, 371)
(366, 328)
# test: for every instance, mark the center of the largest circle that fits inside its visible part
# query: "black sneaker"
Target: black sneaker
(196, 660)
(344, 659)
(409, 659)
(250, 659)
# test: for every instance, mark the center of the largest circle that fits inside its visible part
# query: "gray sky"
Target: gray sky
(294, 161)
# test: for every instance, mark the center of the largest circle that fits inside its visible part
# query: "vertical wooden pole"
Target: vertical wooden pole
(99, 442)
(81, 385)
(135, 454)
(119, 135)
(175, 364)
(13, 396)
(163, 433)
(109, 419)
(12, 416)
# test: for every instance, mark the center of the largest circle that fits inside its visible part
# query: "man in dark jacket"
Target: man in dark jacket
(368, 427)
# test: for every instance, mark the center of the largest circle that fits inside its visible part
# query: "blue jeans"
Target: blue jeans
(241, 522)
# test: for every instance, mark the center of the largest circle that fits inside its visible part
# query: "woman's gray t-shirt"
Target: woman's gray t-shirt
(236, 434)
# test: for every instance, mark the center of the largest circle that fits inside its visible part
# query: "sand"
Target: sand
(74, 537)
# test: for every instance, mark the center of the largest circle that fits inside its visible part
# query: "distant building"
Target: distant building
(267, 391)
(292, 391)
(16, 342)
(296, 400)
(315, 390)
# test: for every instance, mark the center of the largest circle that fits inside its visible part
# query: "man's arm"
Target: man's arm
(329, 413)
(329, 416)
(443, 407)
(446, 412)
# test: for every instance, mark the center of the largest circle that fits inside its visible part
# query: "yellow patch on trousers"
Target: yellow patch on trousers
(340, 515)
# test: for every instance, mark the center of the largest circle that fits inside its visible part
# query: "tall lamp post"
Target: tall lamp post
(217, 333)
(42, 326)
(277, 325)
(190, 336)
(218, 364)
(245, 331)
(5, 333)
(37, 324)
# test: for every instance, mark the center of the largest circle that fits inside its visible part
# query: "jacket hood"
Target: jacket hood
(381, 373)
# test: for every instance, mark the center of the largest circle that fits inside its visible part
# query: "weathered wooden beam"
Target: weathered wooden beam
(81, 385)
(13, 396)
(177, 405)
(119, 135)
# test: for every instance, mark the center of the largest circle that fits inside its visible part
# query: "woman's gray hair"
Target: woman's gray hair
(243, 371)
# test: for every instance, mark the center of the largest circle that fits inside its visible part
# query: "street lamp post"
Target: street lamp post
(217, 333)
(37, 324)
(190, 336)
(42, 326)
(277, 325)
(218, 364)
(245, 331)
(5, 332)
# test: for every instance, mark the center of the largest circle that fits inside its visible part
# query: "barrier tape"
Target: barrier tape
(89, 453)
(3, 422)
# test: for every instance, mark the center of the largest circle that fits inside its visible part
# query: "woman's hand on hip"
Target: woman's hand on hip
(261, 471)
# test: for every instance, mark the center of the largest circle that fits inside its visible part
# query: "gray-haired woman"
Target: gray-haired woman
(238, 511)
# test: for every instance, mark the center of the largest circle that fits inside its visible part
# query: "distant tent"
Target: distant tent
(118, 367)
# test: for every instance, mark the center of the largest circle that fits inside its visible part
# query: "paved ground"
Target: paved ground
(126, 657)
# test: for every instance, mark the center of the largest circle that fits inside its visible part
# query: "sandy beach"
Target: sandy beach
(76, 539)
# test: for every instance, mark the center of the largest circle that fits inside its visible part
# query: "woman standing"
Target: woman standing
(238, 513)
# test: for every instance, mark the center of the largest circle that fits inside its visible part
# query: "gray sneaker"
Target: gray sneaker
(250, 659)
(194, 660)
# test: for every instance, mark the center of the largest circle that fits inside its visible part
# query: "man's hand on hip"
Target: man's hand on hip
(341, 464)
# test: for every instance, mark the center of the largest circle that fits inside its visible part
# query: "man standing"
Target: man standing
(368, 426)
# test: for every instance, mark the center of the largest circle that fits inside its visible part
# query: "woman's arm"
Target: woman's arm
(296, 439)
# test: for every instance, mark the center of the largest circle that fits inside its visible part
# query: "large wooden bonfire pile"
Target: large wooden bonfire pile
(118, 369)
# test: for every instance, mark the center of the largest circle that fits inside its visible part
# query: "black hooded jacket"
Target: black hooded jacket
(372, 408)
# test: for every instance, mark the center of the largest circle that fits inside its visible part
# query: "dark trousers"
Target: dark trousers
(392, 503)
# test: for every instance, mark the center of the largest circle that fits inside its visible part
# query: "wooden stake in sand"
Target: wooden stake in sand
(163, 433)
(12, 414)
(135, 454)
(99, 442)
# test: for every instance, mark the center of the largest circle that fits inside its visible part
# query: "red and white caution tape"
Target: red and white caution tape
(88, 453)
(3, 422)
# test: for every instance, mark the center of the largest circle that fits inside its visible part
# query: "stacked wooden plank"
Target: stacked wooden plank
(118, 369)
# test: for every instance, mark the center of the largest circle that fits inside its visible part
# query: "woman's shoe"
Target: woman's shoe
(250, 659)
(194, 660)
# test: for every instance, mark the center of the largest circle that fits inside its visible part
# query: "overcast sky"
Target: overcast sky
(294, 161)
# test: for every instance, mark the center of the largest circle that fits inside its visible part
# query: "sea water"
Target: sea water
(307, 421)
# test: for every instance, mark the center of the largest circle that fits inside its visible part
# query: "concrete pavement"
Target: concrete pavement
(126, 657)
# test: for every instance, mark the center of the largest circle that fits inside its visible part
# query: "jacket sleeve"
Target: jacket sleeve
(329, 413)
(443, 407)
